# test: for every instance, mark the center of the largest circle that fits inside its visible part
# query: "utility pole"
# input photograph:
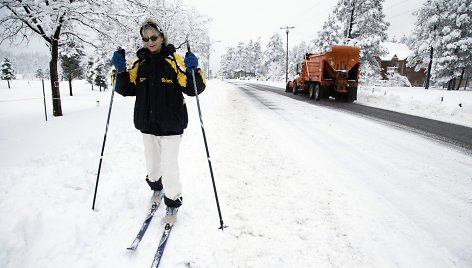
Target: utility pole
(287, 28)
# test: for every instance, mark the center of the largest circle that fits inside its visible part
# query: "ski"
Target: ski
(145, 225)
(162, 245)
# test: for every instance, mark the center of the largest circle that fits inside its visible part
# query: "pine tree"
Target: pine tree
(330, 34)
(441, 40)
(39, 73)
(71, 54)
(241, 60)
(100, 69)
(254, 56)
(274, 58)
(257, 57)
(455, 42)
(359, 23)
(368, 32)
(101, 76)
(229, 63)
(90, 72)
(8, 72)
(295, 58)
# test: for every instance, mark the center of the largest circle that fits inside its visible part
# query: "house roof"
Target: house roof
(399, 49)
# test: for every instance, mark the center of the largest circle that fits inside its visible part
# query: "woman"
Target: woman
(157, 78)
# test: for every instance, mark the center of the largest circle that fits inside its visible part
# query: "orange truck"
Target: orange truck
(334, 73)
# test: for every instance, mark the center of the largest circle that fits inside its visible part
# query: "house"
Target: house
(241, 74)
(395, 60)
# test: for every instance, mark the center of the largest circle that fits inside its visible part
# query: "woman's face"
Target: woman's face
(153, 46)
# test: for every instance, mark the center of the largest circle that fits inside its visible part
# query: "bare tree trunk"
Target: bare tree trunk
(460, 79)
(8, 82)
(70, 85)
(56, 94)
(428, 74)
(451, 84)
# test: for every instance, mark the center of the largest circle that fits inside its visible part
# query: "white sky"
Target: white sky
(243, 20)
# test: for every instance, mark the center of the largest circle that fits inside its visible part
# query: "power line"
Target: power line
(394, 5)
(406, 12)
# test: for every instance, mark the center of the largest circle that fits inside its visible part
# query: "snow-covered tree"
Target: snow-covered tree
(98, 69)
(256, 57)
(228, 63)
(331, 33)
(89, 72)
(39, 73)
(55, 20)
(71, 54)
(26, 62)
(101, 75)
(455, 43)
(368, 32)
(424, 40)
(244, 57)
(101, 24)
(295, 58)
(274, 58)
(8, 72)
(359, 23)
(442, 39)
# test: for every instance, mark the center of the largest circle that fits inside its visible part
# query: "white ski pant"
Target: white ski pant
(162, 160)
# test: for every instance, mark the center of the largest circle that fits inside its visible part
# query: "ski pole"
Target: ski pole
(192, 71)
(104, 139)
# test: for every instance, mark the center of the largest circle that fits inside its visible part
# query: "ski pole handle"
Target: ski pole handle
(188, 47)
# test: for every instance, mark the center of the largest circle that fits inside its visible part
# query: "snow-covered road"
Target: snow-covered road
(396, 192)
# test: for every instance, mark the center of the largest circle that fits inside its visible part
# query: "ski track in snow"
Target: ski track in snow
(299, 186)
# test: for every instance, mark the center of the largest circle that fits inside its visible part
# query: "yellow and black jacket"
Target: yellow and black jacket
(158, 81)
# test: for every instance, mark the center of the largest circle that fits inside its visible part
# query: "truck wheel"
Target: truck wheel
(317, 92)
(351, 95)
(295, 89)
(311, 91)
(289, 87)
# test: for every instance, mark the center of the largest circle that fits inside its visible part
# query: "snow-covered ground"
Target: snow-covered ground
(299, 185)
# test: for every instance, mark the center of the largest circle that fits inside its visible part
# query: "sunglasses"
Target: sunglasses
(153, 38)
